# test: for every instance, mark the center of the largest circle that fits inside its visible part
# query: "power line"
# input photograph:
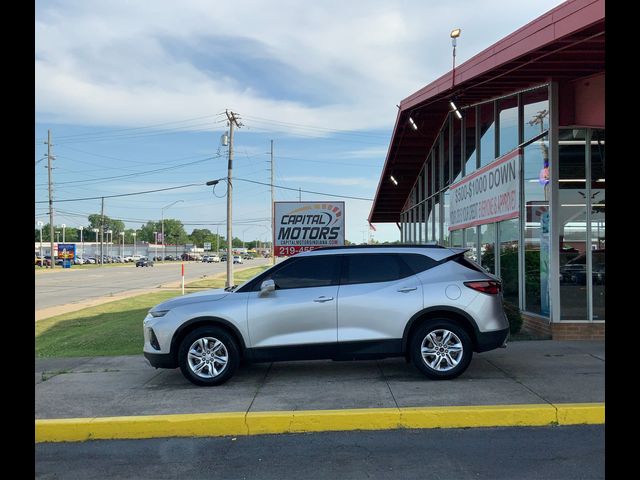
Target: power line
(103, 179)
(124, 194)
(305, 191)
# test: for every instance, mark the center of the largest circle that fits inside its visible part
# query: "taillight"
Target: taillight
(491, 287)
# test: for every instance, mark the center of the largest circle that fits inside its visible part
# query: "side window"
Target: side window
(374, 267)
(317, 271)
(418, 263)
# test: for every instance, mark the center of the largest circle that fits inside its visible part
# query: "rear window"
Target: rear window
(373, 268)
(418, 263)
(464, 261)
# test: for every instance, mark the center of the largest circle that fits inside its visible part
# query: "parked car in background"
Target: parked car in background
(79, 261)
(39, 261)
(223, 258)
(91, 260)
(214, 259)
(575, 270)
(144, 262)
(428, 304)
(237, 259)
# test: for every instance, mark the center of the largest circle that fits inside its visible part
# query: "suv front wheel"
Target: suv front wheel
(441, 349)
(208, 356)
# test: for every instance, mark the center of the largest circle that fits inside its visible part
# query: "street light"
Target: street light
(40, 224)
(63, 229)
(81, 243)
(135, 232)
(109, 242)
(96, 230)
(155, 243)
(162, 215)
(57, 236)
(122, 248)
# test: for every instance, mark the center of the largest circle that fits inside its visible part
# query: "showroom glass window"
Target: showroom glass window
(470, 157)
(598, 189)
(572, 185)
(487, 134)
(537, 192)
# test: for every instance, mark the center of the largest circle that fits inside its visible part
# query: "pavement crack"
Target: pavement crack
(255, 395)
(387, 382)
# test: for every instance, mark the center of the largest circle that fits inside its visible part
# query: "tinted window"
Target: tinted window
(418, 263)
(370, 268)
(317, 271)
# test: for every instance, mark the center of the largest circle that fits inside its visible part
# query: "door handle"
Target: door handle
(407, 289)
(322, 299)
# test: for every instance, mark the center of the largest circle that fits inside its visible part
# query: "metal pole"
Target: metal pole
(81, 244)
(162, 229)
(64, 228)
(218, 240)
(102, 233)
(42, 258)
(51, 228)
(273, 260)
(134, 244)
(156, 245)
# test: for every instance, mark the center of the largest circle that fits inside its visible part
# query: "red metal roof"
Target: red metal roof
(564, 44)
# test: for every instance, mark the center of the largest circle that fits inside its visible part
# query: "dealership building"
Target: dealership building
(505, 155)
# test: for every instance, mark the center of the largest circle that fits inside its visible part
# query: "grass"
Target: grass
(113, 328)
(218, 280)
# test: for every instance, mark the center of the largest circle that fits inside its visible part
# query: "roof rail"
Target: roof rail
(396, 245)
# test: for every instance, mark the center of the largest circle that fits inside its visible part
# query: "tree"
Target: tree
(173, 231)
(116, 226)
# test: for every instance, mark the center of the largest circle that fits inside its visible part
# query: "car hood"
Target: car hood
(199, 297)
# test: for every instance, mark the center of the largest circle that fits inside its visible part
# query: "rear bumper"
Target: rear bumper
(491, 340)
(160, 360)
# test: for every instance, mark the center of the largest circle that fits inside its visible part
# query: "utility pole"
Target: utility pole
(273, 209)
(102, 233)
(233, 121)
(51, 228)
(299, 194)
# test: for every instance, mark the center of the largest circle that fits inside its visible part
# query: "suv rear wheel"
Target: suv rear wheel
(208, 356)
(441, 349)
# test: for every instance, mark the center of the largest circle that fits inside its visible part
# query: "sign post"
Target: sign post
(302, 226)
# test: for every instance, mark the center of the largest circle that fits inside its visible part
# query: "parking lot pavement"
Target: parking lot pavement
(528, 372)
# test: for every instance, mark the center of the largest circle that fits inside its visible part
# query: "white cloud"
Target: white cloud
(116, 63)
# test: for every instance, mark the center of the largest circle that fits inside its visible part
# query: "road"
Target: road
(65, 286)
(567, 453)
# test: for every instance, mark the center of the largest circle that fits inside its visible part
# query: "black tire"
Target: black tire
(228, 345)
(435, 329)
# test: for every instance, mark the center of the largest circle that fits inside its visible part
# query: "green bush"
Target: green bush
(514, 317)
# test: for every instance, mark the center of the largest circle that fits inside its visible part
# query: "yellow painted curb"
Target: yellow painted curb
(580, 413)
(478, 416)
(257, 423)
(147, 426)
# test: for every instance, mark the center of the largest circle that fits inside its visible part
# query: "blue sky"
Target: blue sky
(138, 90)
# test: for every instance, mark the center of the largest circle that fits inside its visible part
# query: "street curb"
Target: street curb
(259, 423)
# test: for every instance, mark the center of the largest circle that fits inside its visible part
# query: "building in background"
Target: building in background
(505, 155)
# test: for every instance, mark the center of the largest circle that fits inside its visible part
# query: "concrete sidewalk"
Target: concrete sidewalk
(527, 372)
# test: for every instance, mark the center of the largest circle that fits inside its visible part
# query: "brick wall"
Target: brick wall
(577, 331)
(540, 328)
(537, 327)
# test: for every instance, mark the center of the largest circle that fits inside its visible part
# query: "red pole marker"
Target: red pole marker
(183, 279)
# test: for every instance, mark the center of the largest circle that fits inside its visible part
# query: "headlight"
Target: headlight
(158, 313)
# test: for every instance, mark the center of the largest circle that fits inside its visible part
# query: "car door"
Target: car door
(301, 311)
(378, 294)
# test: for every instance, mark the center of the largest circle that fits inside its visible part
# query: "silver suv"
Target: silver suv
(428, 304)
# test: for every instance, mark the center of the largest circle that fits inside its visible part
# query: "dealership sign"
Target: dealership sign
(489, 195)
(301, 226)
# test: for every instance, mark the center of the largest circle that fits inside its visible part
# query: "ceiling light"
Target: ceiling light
(455, 110)
(395, 182)
(413, 124)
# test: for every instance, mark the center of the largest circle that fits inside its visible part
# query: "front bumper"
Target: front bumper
(492, 340)
(161, 360)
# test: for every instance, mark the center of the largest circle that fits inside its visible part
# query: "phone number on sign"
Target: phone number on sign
(288, 251)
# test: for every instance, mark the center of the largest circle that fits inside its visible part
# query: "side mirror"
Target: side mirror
(267, 286)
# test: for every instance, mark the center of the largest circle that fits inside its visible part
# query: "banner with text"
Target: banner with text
(488, 195)
(302, 226)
